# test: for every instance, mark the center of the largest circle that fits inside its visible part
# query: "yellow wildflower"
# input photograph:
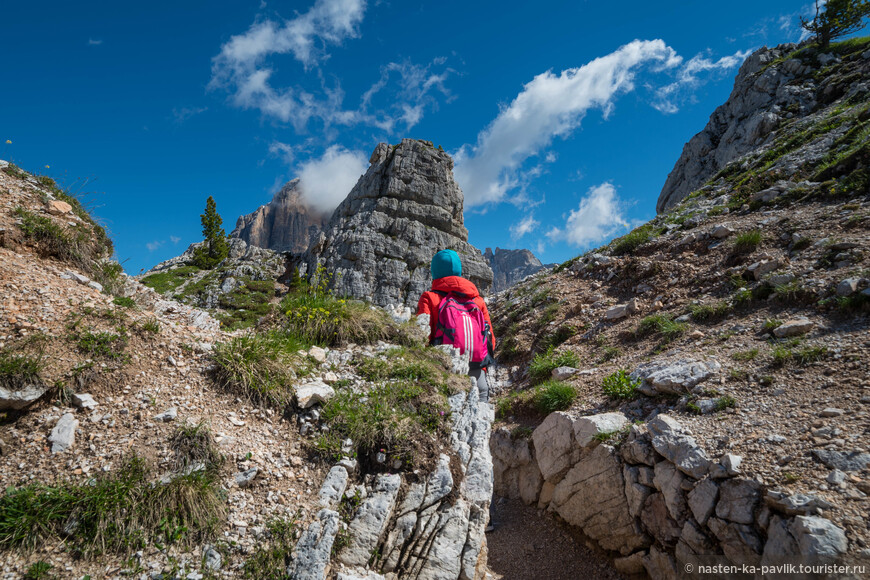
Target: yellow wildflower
(8, 142)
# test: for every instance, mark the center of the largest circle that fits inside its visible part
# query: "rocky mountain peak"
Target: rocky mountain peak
(775, 88)
(380, 240)
(510, 266)
(285, 224)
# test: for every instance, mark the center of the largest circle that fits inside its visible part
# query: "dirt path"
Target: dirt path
(528, 544)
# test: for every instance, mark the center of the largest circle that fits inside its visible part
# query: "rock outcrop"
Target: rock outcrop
(775, 86)
(510, 266)
(380, 240)
(285, 224)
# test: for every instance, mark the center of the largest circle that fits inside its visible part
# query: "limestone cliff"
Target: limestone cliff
(285, 224)
(510, 266)
(380, 240)
(774, 90)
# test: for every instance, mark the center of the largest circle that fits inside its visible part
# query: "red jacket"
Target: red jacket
(429, 301)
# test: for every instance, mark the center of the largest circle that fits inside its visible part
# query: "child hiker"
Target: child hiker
(458, 316)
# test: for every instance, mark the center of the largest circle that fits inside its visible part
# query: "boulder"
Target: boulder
(246, 478)
(21, 397)
(333, 487)
(669, 480)
(592, 497)
(721, 231)
(315, 392)
(674, 377)
(58, 207)
(702, 500)
(563, 373)
(586, 429)
(616, 312)
(555, 447)
(314, 549)
(738, 499)
(848, 286)
(849, 461)
(84, 401)
(64, 433)
(793, 327)
(740, 542)
(673, 443)
(812, 538)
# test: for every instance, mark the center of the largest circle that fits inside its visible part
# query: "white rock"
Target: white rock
(246, 478)
(847, 287)
(168, 415)
(672, 442)
(562, 373)
(313, 393)
(333, 487)
(616, 312)
(721, 231)
(317, 353)
(64, 433)
(794, 327)
(586, 428)
(84, 401)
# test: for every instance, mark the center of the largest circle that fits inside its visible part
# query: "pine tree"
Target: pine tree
(839, 18)
(215, 247)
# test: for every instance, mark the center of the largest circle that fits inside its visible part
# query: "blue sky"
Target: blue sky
(564, 117)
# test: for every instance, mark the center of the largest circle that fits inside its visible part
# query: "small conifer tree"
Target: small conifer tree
(215, 247)
(836, 18)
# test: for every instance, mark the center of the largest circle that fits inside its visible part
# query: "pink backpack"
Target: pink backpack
(461, 323)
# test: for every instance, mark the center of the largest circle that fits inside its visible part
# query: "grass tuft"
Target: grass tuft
(747, 242)
(662, 325)
(272, 557)
(634, 239)
(709, 312)
(542, 364)
(553, 396)
(619, 385)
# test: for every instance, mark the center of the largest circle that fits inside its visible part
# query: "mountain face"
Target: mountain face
(775, 88)
(380, 240)
(510, 266)
(285, 224)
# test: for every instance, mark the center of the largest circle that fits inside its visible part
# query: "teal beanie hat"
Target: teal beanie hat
(446, 263)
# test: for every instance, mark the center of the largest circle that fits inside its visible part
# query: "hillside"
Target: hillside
(138, 439)
(734, 325)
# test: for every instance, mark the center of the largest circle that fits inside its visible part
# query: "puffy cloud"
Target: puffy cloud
(525, 226)
(550, 106)
(691, 75)
(239, 66)
(598, 218)
(152, 246)
(326, 181)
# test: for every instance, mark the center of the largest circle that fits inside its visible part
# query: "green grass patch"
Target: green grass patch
(709, 312)
(553, 395)
(272, 556)
(747, 242)
(787, 354)
(725, 402)
(634, 239)
(18, 370)
(124, 302)
(662, 325)
(558, 336)
(169, 281)
(542, 364)
(404, 419)
(745, 355)
(770, 325)
(101, 344)
(39, 570)
(120, 511)
(259, 366)
(619, 385)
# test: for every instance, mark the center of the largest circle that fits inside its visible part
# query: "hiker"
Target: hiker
(458, 316)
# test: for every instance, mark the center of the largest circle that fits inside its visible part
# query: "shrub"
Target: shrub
(402, 419)
(19, 370)
(124, 302)
(258, 366)
(118, 511)
(634, 239)
(554, 395)
(747, 242)
(316, 316)
(542, 365)
(619, 385)
(709, 312)
(725, 402)
(662, 325)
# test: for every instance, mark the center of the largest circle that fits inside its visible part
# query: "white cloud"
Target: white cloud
(598, 218)
(549, 106)
(285, 151)
(185, 113)
(174, 239)
(525, 226)
(240, 65)
(154, 245)
(94, 42)
(689, 77)
(327, 180)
